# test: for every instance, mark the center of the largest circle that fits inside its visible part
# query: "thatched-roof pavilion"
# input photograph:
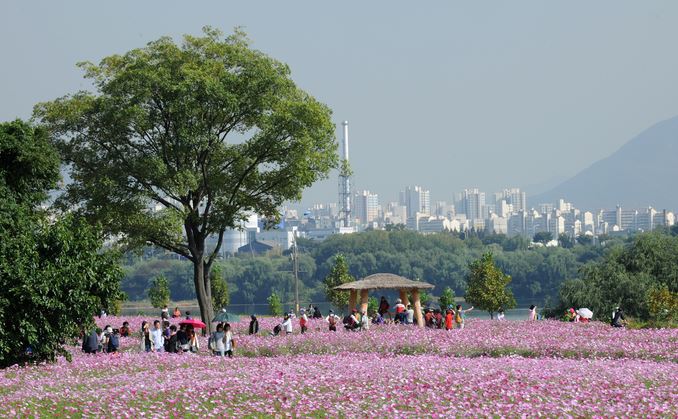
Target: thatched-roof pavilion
(386, 281)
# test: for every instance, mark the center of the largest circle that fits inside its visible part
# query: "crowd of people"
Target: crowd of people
(161, 336)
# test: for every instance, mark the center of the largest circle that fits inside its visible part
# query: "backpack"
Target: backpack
(114, 341)
(332, 320)
(458, 318)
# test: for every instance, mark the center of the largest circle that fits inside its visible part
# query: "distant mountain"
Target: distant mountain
(640, 174)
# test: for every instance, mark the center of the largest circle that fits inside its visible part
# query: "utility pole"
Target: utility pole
(295, 267)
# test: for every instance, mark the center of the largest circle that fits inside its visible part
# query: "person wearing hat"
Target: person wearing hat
(332, 319)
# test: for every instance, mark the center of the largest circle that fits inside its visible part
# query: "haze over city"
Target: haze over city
(448, 96)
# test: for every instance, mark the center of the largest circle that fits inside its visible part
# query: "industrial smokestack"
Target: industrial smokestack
(345, 183)
(345, 124)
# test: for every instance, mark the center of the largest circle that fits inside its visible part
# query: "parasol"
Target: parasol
(585, 313)
(197, 324)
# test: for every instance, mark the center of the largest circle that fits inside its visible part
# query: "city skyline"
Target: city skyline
(457, 95)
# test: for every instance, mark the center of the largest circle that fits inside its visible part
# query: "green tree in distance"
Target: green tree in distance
(220, 294)
(159, 292)
(565, 241)
(205, 133)
(488, 286)
(447, 298)
(543, 237)
(338, 275)
(274, 305)
(53, 275)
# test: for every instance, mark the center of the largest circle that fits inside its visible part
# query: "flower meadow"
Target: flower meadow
(489, 369)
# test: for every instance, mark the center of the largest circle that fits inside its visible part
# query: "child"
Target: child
(460, 315)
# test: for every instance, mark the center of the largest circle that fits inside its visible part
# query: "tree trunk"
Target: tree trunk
(202, 294)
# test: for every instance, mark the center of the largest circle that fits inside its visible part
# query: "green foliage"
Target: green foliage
(220, 295)
(543, 237)
(625, 277)
(338, 275)
(487, 286)
(440, 259)
(424, 298)
(274, 305)
(584, 239)
(565, 241)
(447, 298)
(29, 165)
(159, 292)
(372, 306)
(662, 305)
(53, 275)
(208, 131)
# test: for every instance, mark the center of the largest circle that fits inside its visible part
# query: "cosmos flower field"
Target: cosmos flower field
(490, 369)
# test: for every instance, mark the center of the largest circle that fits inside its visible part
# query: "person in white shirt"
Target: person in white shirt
(303, 321)
(500, 315)
(287, 324)
(365, 321)
(228, 340)
(157, 337)
(409, 315)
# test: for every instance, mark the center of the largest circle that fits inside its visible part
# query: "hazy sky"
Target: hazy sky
(443, 94)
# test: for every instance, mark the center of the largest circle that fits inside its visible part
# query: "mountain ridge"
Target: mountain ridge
(640, 174)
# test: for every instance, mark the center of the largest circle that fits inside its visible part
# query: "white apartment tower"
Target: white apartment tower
(473, 203)
(366, 207)
(417, 200)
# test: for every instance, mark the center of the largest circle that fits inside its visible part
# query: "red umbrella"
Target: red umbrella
(193, 322)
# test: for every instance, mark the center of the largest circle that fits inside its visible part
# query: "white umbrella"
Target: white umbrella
(585, 313)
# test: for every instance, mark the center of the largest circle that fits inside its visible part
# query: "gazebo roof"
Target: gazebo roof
(383, 281)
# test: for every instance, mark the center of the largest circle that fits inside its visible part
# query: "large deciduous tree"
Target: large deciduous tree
(488, 286)
(53, 274)
(178, 143)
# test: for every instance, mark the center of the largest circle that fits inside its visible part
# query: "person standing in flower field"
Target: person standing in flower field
(500, 315)
(146, 341)
(193, 343)
(533, 313)
(254, 325)
(449, 319)
(459, 317)
(287, 324)
(157, 337)
(303, 321)
(383, 306)
(332, 319)
(216, 342)
(409, 315)
(176, 313)
(229, 342)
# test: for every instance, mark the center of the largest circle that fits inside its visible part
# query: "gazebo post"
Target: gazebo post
(352, 300)
(417, 307)
(363, 301)
(403, 297)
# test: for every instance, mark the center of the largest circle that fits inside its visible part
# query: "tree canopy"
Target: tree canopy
(53, 275)
(488, 286)
(180, 142)
(338, 275)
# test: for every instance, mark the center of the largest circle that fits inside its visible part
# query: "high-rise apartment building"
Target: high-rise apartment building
(366, 207)
(417, 200)
(473, 203)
